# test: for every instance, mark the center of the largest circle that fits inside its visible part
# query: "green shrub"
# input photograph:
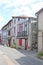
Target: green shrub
(40, 54)
(14, 45)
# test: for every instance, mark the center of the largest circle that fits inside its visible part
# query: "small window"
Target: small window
(18, 19)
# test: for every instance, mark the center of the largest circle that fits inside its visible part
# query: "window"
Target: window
(20, 27)
(14, 29)
(18, 19)
(25, 26)
(8, 32)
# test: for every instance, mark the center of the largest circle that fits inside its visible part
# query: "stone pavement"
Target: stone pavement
(5, 60)
(2, 59)
(19, 57)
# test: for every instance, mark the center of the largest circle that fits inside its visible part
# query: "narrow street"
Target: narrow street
(10, 56)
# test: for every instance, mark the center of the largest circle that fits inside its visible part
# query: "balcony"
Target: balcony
(22, 34)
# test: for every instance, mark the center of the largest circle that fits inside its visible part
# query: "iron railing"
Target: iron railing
(22, 34)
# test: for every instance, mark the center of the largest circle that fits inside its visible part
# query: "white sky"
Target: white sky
(10, 8)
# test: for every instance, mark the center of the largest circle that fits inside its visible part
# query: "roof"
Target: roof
(6, 24)
(31, 17)
(39, 11)
(22, 16)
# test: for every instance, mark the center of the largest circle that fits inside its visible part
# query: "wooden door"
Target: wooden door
(20, 42)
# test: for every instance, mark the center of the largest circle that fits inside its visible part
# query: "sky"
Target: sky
(9, 8)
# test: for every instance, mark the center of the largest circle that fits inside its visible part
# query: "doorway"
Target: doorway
(20, 42)
(26, 44)
(9, 42)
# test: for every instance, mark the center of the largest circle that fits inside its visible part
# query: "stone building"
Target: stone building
(21, 30)
(39, 15)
